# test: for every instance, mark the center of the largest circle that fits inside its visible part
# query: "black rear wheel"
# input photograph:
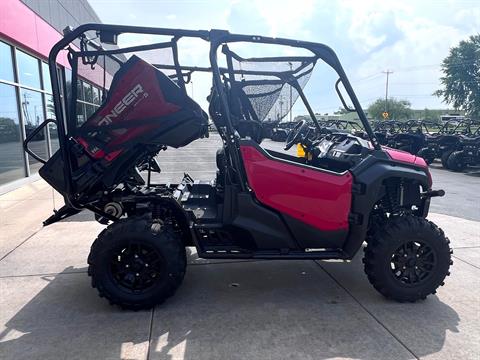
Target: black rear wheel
(407, 259)
(456, 161)
(136, 263)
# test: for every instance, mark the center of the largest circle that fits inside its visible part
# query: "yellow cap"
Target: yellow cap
(300, 151)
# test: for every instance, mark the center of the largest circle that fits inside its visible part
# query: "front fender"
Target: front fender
(369, 177)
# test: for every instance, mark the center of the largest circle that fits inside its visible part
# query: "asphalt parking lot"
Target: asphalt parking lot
(230, 309)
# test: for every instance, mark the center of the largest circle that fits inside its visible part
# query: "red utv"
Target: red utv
(262, 204)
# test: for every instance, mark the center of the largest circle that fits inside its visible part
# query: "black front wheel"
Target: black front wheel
(407, 259)
(444, 158)
(427, 155)
(136, 263)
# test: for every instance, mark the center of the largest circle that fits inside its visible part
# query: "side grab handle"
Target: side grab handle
(32, 135)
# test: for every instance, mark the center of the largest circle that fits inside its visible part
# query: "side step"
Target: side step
(213, 243)
(220, 252)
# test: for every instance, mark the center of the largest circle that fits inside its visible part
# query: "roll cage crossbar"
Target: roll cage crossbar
(216, 38)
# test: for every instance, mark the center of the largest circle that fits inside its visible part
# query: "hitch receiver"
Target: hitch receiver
(433, 193)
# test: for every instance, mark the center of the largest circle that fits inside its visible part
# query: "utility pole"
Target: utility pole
(388, 72)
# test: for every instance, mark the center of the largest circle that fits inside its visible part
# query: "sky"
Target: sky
(410, 38)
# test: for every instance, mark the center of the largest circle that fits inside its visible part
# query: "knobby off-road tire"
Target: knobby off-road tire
(407, 259)
(427, 155)
(445, 157)
(456, 161)
(137, 264)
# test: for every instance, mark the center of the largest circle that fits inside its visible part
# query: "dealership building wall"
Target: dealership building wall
(28, 30)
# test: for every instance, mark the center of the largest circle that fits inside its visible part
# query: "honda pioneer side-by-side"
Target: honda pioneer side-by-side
(262, 204)
(442, 144)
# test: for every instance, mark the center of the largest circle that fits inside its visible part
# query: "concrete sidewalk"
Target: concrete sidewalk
(224, 310)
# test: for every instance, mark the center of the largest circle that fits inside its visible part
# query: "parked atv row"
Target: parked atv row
(461, 138)
(280, 131)
(431, 140)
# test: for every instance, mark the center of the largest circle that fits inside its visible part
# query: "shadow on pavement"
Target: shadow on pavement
(268, 309)
(84, 215)
(67, 320)
(279, 310)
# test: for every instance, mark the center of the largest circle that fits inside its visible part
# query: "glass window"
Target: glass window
(32, 110)
(52, 128)
(47, 82)
(68, 85)
(6, 67)
(87, 92)
(11, 152)
(90, 109)
(79, 90)
(28, 70)
(60, 79)
(96, 95)
(80, 113)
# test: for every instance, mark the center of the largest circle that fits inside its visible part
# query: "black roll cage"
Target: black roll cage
(216, 38)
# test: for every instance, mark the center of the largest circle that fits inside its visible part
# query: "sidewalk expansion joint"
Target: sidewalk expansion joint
(466, 262)
(45, 274)
(23, 242)
(367, 311)
(150, 331)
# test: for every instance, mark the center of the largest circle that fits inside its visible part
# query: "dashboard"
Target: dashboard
(339, 151)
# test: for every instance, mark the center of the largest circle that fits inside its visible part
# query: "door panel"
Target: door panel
(319, 198)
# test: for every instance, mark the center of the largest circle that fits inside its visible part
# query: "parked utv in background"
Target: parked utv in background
(279, 134)
(385, 129)
(445, 141)
(411, 137)
(467, 152)
(262, 204)
(281, 131)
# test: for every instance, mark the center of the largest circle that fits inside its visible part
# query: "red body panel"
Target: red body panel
(318, 198)
(404, 156)
(137, 97)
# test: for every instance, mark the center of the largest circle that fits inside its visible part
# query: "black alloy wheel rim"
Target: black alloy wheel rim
(136, 267)
(413, 263)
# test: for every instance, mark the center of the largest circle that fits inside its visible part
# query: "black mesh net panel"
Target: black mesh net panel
(265, 84)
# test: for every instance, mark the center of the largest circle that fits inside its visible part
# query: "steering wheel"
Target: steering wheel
(295, 134)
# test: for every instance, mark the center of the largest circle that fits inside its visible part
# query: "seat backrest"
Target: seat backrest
(144, 111)
(143, 106)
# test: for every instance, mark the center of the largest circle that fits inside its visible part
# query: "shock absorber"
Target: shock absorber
(393, 192)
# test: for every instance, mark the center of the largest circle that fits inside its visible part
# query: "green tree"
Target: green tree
(341, 111)
(460, 80)
(428, 114)
(397, 109)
